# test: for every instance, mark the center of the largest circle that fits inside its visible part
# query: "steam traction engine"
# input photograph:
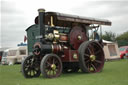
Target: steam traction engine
(59, 42)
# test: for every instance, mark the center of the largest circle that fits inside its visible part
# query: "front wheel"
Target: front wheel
(51, 66)
(30, 67)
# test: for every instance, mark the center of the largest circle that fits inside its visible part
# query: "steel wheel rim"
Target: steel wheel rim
(93, 57)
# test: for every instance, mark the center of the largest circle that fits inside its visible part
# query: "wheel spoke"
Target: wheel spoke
(53, 61)
(37, 69)
(33, 72)
(56, 61)
(27, 71)
(88, 66)
(91, 49)
(94, 67)
(97, 61)
(48, 63)
(97, 52)
(86, 55)
(87, 61)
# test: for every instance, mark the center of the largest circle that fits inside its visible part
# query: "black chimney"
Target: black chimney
(41, 21)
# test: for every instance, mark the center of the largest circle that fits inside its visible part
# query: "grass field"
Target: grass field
(114, 73)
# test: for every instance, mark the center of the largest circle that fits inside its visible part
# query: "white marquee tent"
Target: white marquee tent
(111, 50)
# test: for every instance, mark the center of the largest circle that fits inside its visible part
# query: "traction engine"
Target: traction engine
(59, 43)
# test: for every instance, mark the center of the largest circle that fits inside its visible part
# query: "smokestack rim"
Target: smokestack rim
(41, 10)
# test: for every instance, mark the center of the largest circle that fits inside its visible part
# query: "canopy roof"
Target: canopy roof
(60, 19)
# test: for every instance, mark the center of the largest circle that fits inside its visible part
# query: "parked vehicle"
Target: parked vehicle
(14, 55)
(123, 52)
(4, 57)
(22, 53)
(1, 52)
(11, 58)
(0, 58)
(1, 55)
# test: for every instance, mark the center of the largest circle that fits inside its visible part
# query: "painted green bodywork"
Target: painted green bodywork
(32, 32)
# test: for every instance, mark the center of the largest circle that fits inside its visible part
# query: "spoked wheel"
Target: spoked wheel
(91, 57)
(30, 67)
(51, 66)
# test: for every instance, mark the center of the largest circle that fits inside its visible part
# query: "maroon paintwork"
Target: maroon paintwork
(68, 56)
(75, 32)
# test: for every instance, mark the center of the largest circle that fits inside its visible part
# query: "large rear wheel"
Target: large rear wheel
(51, 66)
(91, 57)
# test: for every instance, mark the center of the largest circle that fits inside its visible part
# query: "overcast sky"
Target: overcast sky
(17, 15)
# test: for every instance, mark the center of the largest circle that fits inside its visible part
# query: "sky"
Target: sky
(18, 15)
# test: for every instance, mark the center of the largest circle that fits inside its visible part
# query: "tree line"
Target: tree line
(121, 39)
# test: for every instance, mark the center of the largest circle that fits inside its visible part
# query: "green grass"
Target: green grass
(114, 73)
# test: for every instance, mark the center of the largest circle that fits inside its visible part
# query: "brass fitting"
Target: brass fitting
(79, 37)
(52, 25)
